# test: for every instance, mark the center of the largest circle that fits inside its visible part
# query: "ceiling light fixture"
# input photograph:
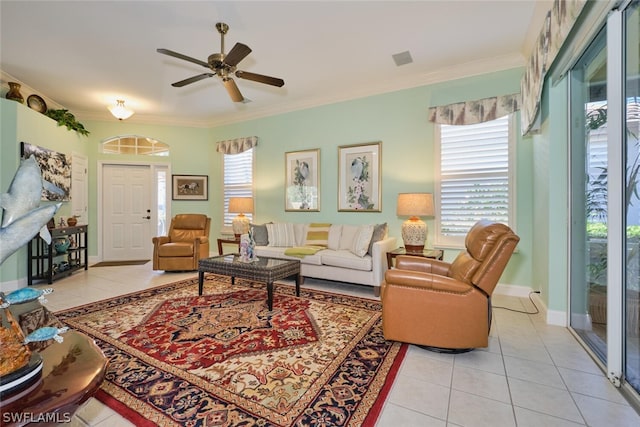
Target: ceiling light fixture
(119, 111)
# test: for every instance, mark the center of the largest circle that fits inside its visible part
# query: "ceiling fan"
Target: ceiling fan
(224, 66)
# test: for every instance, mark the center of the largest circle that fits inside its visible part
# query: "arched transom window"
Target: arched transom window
(134, 144)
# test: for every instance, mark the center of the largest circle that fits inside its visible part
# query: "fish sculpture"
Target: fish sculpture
(23, 217)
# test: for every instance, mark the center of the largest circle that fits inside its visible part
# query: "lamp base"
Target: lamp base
(240, 225)
(414, 249)
(414, 234)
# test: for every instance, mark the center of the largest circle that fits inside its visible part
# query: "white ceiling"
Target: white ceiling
(84, 55)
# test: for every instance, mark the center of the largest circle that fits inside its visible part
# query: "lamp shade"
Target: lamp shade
(415, 204)
(119, 111)
(240, 204)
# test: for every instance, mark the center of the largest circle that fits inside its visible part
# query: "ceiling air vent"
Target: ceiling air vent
(402, 58)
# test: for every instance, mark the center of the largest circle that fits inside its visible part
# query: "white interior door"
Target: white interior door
(126, 207)
(80, 187)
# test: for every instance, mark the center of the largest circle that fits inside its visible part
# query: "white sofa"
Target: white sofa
(339, 261)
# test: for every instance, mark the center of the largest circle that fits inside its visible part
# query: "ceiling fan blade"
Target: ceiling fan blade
(192, 79)
(260, 78)
(237, 54)
(181, 56)
(233, 90)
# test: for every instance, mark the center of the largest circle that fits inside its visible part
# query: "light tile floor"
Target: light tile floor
(532, 374)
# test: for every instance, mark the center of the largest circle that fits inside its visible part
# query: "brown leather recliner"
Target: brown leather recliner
(447, 305)
(186, 244)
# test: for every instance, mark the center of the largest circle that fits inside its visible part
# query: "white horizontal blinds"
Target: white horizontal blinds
(474, 175)
(238, 181)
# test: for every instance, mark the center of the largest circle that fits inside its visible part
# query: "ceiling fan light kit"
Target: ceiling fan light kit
(224, 66)
(119, 111)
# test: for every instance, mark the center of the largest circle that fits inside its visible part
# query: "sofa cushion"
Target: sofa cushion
(347, 236)
(356, 238)
(278, 252)
(317, 234)
(333, 240)
(379, 232)
(260, 234)
(362, 240)
(346, 259)
(281, 234)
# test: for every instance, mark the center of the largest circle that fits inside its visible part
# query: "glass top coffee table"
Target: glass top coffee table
(265, 269)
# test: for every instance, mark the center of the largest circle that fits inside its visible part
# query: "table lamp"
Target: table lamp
(414, 230)
(240, 223)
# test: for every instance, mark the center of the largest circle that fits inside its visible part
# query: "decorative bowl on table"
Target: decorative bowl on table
(61, 245)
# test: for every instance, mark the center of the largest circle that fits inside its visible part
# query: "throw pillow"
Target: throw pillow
(362, 240)
(317, 234)
(347, 236)
(281, 234)
(260, 235)
(333, 242)
(379, 232)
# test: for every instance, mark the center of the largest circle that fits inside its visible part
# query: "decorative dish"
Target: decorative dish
(46, 333)
(35, 102)
(23, 295)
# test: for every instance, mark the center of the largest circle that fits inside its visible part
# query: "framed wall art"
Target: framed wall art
(302, 178)
(55, 168)
(359, 177)
(190, 187)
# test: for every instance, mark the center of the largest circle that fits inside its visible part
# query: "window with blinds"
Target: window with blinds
(474, 178)
(238, 181)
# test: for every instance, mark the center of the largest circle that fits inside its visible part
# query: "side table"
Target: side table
(223, 240)
(427, 253)
(73, 371)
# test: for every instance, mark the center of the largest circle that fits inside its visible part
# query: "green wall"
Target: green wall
(22, 124)
(397, 119)
(551, 198)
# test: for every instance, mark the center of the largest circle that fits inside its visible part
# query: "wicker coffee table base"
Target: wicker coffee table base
(266, 270)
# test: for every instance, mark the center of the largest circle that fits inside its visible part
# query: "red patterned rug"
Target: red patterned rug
(223, 359)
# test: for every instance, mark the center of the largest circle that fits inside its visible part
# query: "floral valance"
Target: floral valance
(557, 25)
(238, 145)
(478, 111)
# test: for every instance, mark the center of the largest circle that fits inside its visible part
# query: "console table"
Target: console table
(41, 256)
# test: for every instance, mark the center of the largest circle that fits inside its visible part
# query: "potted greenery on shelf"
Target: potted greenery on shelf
(65, 118)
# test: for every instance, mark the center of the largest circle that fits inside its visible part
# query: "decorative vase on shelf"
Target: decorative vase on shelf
(14, 92)
(72, 221)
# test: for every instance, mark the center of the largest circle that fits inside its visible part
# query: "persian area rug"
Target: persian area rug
(223, 359)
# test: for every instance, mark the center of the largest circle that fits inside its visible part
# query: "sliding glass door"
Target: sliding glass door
(605, 190)
(632, 194)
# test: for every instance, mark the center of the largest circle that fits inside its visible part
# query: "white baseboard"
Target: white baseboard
(513, 290)
(13, 285)
(552, 317)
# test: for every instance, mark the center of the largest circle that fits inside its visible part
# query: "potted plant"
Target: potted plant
(65, 118)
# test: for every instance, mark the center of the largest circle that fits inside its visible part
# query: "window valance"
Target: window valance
(557, 25)
(478, 111)
(237, 145)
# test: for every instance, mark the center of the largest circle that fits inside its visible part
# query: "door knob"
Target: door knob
(146, 217)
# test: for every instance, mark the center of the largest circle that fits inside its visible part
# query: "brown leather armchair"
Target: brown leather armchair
(447, 306)
(187, 242)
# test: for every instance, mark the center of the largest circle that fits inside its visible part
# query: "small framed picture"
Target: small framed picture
(190, 187)
(359, 177)
(302, 177)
